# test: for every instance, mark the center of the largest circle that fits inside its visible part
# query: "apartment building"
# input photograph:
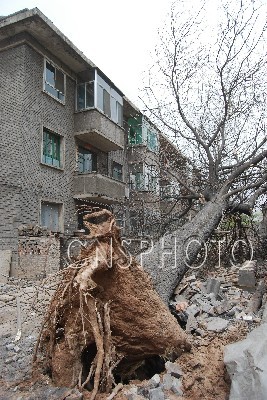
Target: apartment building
(70, 140)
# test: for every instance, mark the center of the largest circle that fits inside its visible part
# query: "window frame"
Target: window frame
(61, 149)
(94, 160)
(60, 214)
(45, 82)
(144, 179)
(114, 165)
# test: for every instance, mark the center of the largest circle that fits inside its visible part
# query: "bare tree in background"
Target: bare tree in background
(207, 88)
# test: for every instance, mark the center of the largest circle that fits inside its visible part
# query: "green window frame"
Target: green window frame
(152, 140)
(51, 149)
(135, 135)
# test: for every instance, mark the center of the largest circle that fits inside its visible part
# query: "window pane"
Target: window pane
(106, 98)
(113, 104)
(135, 131)
(51, 149)
(51, 90)
(151, 140)
(60, 81)
(50, 74)
(100, 101)
(80, 97)
(117, 171)
(54, 81)
(90, 102)
(86, 161)
(120, 114)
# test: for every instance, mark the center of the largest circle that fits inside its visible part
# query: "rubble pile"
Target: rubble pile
(213, 304)
(159, 387)
(106, 307)
(217, 311)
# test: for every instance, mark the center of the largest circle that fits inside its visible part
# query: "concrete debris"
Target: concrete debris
(173, 369)
(246, 363)
(191, 324)
(176, 387)
(181, 306)
(216, 324)
(156, 394)
(213, 286)
(167, 381)
(155, 380)
(246, 275)
(218, 302)
(33, 230)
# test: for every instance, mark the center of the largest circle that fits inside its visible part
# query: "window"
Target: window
(152, 178)
(137, 177)
(99, 94)
(54, 82)
(143, 177)
(109, 101)
(117, 171)
(85, 95)
(52, 149)
(87, 161)
(50, 216)
(152, 140)
(135, 131)
(141, 132)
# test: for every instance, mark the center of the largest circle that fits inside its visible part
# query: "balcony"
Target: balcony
(91, 126)
(99, 188)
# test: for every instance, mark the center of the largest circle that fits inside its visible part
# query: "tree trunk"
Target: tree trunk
(169, 258)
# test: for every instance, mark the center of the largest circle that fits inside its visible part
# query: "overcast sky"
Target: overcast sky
(117, 35)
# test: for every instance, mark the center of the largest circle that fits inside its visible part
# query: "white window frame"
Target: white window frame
(45, 82)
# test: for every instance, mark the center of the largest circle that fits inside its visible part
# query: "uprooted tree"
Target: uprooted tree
(105, 318)
(207, 88)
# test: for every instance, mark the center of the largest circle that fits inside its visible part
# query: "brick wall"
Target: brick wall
(38, 257)
(24, 110)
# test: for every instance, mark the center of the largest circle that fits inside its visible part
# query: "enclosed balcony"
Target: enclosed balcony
(92, 127)
(98, 188)
(98, 118)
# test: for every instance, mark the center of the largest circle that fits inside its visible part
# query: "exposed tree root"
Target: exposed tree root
(105, 316)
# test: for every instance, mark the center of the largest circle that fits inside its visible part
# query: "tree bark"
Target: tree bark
(168, 259)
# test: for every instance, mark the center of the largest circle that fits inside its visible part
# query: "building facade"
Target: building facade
(70, 140)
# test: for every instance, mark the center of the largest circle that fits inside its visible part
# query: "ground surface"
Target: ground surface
(23, 304)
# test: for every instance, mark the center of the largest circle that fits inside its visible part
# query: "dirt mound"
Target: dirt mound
(105, 318)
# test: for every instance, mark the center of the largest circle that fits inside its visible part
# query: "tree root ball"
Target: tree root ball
(105, 316)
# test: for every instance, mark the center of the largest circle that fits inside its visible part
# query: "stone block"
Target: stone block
(156, 394)
(216, 324)
(246, 274)
(167, 381)
(246, 363)
(173, 369)
(155, 380)
(177, 387)
(213, 286)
